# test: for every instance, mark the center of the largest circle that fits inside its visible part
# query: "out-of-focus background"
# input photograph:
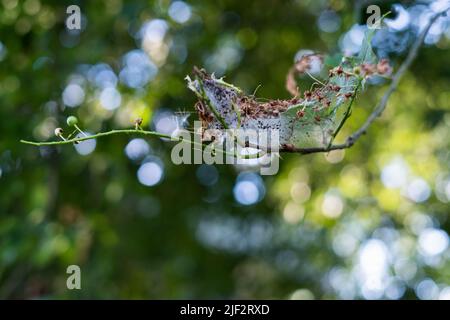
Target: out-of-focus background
(370, 222)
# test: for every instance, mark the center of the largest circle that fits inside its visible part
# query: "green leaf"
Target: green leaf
(366, 53)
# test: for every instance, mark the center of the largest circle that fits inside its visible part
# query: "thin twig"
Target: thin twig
(102, 134)
(135, 131)
(346, 114)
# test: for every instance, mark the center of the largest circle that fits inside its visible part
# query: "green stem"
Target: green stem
(238, 114)
(81, 131)
(98, 135)
(73, 132)
(130, 131)
(346, 114)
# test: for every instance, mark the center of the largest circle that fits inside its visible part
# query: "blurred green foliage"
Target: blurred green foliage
(367, 222)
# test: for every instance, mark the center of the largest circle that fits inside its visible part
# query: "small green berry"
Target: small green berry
(71, 121)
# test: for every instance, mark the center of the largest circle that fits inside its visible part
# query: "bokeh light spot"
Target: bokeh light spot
(179, 11)
(150, 173)
(73, 95)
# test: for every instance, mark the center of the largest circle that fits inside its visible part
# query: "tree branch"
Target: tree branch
(350, 141)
